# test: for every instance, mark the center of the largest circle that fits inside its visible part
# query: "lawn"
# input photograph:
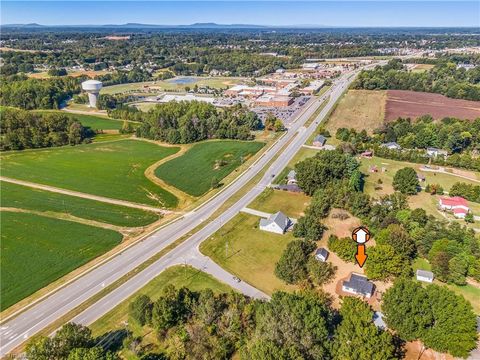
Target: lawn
(271, 201)
(249, 253)
(95, 122)
(22, 197)
(193, 172)
(359, 109)
(115, 169)
(37, 250)
(179, 276)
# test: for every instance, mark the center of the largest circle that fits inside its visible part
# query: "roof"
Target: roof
(279, 219)
(292, 174)
(360, 284)
(391, 144)
(378, 320)
(459, 210)
(92, 82)
(320, 138)
(321, 251)
(425, 274)
(454, 201)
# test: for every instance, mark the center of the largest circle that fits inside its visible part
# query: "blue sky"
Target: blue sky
(328, 13)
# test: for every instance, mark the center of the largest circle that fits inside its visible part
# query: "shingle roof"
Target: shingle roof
(279, 218)
(320, 138)
(360, 284)
(425, 274)
(322, 251)
(292, 174)
(378, 320)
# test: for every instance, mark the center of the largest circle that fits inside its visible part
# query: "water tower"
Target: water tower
(92, 88)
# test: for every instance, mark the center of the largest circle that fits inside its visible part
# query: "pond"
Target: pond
(183, 80)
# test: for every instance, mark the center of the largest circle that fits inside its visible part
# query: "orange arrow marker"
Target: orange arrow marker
(361, 256)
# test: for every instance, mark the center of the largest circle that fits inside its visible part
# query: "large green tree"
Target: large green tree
(406, 181)
(292, 266)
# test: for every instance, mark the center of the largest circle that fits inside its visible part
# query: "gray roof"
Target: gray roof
(391, 144)
(279, 218)
(289, 187)
(425, 273)
(322, 251)
(292, 174)
(378, 320)
(360, 284)
(320, 138)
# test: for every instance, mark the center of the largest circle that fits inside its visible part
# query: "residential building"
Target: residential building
(457, 204)
(358, 285)
(434, 152)
(321, 254)
(425, 276)
(292, 177)
(277, 223)
(319, 140)
(391, 146)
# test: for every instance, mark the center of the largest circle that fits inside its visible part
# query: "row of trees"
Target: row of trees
(468, 191)
(22, 129)
(443, 79)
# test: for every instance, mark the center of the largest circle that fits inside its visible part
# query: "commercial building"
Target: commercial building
(273, 100)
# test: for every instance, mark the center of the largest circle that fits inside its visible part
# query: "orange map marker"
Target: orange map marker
(361, 235)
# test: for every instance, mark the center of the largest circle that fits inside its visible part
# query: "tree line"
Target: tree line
(22, 129)
(443, 78)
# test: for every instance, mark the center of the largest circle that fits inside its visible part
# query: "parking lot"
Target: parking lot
(286, 114)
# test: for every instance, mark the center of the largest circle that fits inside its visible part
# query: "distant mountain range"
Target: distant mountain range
(146, 26)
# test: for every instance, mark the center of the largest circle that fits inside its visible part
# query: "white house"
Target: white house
(434, 152)
(358, 285)
(277, 223)
(321, 254)
(391, 146)
(457, 204)
(425, 276)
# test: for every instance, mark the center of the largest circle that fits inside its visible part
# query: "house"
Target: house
(292, 177)
(280, 71)
(366, 154)
(277, 223)
(425, 276)
(434, 152)
(457, 204)
(321, 254)
(319, 140)
(358, 285)
(391, 146)
(378, 320)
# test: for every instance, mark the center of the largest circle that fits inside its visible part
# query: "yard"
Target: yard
(114, 169)
(249, 253)
(271, 201)
(194, 171)
(21, 197)
(37, 250)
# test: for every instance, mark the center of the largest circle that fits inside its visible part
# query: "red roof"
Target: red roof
(459, 211)
(454, 201)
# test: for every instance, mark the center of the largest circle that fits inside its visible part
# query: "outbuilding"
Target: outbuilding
(425, 276)
(319, 140)
(321, 254)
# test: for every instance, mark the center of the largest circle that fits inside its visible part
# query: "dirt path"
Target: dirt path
(184, 199)
(85, 196)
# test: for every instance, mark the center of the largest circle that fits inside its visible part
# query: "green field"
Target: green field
(244, 250)
(193, 172)
(95, 122)
(178, 276)
(22, 197)
(114, 169)
(271, 201)
(37, 250)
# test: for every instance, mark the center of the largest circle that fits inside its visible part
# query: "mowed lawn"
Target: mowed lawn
(179, 276)
(114, 169)
(37, 250)
(291, 204)
(22, 197)
(94, 122)
(249, 253)
(193, 172)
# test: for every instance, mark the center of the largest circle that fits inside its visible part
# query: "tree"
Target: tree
(357, 337)
(172, 308)
(309, 228)
(406, 181)
(458, 269)
(278, 125)
(383, 263)
(469, 218)
(140, 309)
(321, 272)
(127, 128)
(292, 266)
(215, 183)
(345, 248)
(397, 237)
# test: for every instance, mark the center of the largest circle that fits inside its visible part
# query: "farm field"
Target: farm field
(358, 109)
(251, 253)
(179, 276)
(271, 201)
(403, 103)
(174, 84)
(37, 250)
(193, 172)
(22, 197)
(114, 169)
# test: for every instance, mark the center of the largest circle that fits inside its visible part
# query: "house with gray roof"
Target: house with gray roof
(292, 177)
(358, 285)
(434, 152)
(391, 146)
(321, 254)
(319, 140)
(425, 276)
(277, 223)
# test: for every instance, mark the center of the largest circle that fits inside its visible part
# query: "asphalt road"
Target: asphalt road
(18, 329)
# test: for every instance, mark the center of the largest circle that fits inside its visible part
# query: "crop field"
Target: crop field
(403, 103)
(359, 109)
(22, 197)
(114, 169)
(244, 250)
(175, 84)
(37, 250)
(193, 172)
(179, 276)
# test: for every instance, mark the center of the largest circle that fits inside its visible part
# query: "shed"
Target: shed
(425, 276)
(319, 140)
(321, 254)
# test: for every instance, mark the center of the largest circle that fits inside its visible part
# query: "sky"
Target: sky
(430, 13)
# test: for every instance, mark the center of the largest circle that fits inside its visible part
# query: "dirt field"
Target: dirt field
(403, 103)
(359, 109)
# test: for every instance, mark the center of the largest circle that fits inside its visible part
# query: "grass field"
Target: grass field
(358, 109)
(193, 172)
(251, 254)
(178, 276)
(172, 85)
(292, 204)
(37, 250)
(94, 122)
(114, 169)
(22, 197)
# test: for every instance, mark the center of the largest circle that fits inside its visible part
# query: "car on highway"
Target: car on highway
(236, 279)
